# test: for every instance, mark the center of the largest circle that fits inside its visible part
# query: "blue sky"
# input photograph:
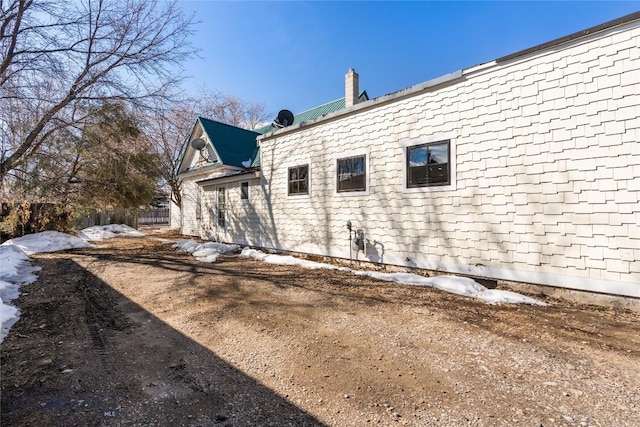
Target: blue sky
(294, 55)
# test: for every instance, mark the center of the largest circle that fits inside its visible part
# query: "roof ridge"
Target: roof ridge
(319, 106)
(362, 92)
(225, 124)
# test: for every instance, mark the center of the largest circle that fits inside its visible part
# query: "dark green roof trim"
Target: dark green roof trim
(314, 113)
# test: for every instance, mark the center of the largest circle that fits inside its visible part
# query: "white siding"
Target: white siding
(174, 216)
(190, 224)
(243, 224)
(548, 173)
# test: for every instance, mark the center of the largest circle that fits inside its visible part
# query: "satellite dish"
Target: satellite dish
(198, 144)
(284, 119)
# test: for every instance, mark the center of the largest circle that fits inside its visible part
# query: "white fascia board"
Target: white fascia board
(229, 178)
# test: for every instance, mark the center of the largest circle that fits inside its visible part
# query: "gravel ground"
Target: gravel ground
(133, 333)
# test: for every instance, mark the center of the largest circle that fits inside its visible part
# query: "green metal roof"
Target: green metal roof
(256, 160)
(314, 113)
(233, 145)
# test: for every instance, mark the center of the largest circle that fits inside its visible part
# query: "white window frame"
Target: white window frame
(452, 163)
(293, 164)
(366, 152)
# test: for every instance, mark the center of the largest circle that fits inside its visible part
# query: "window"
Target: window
(352, 175)
(222, 207)
(244, 190)
(428, 164)
(199, 203)
(299, 180)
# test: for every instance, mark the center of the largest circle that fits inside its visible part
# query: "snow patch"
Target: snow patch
(205, 252)
(246, 163)
(287, 260)
(101, 232)
(457, 285)
(15, 270)
(47, 241)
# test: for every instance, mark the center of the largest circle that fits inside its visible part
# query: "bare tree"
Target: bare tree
(59, 59)
(230, 109)
(170, 124)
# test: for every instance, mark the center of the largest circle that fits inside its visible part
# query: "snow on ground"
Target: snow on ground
(205, 252)
(208, 252)
(16, 268)
(287, 260)
(456, 285)
(101, 232)
(453, 284)
(47, 241)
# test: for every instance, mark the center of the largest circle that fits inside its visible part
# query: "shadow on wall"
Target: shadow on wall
(375, 251)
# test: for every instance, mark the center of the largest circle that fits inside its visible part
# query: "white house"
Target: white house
(221, 192)
(522, 169)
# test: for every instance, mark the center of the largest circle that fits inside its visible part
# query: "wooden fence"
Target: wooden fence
(153, 216)
(131, 217)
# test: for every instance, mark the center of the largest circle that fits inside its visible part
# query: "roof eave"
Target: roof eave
(242, 176)
(574, 36)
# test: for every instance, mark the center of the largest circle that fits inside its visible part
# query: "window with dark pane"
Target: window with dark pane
(222, 207)
(244, 191)
(299, 180)
(352, 174)
(428, 164)
(198, 203)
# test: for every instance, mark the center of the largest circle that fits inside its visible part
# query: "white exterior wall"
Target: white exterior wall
(547, 188)
(175, 217)
(242, 220)
(204, 226)
(191, 226)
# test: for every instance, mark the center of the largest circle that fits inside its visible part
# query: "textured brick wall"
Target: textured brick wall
(547, 188)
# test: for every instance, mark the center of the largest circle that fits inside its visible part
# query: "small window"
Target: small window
(199, 203)
(352, 174)
(222, 207)
(428, 164)
(244, 191)
(299, 180)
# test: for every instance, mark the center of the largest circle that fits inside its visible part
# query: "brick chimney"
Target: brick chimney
(351, 90)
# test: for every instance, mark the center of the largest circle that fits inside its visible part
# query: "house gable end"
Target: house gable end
(191, 158)
(234, 146)
(226, 145)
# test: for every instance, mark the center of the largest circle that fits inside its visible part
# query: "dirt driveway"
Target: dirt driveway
(134, 333)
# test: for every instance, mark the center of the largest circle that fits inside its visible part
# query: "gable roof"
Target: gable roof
(235, 146)
(232, 144)
(314, 113)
